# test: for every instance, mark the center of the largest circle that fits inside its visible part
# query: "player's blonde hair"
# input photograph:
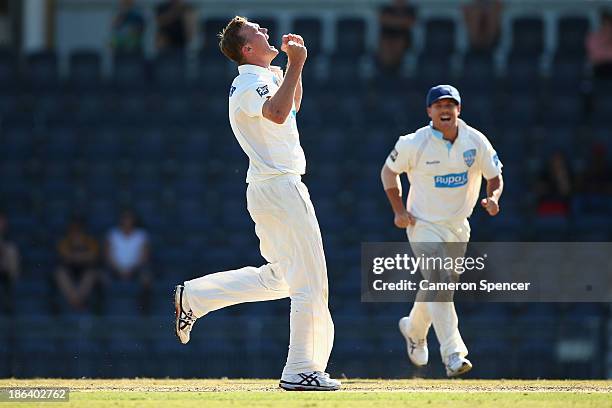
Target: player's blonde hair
(231, 40)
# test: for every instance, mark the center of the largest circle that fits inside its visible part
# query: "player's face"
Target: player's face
(444, 114)
(257, 45)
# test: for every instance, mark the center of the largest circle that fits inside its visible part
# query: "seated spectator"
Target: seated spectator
(9, 266)
(554, 187)
(599, 47)
(483, 21)
(127, 29)
(127, 253)
(176, 22)
(77, 274)
(395, 21)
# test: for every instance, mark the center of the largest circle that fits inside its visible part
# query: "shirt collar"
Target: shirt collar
(438, 135)
(254, 69)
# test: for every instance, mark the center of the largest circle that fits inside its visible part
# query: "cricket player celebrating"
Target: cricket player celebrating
(445, 163)
(262, 112)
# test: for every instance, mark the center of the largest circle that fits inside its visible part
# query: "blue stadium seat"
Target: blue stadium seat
(9, 70)
(440, 37)
(42, 70)
(60, 145)
(129, 71)
(571, 32)
(85, 69)
(350, 37)
(17, 143)
(170, 70)
(528, 36)
(310, 29)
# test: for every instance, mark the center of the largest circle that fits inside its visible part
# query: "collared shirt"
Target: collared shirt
(273, 149)
(444, 177)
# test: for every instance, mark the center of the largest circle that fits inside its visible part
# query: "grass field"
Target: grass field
(355, 393)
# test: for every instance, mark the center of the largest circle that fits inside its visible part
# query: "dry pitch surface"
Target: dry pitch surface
(355, 393)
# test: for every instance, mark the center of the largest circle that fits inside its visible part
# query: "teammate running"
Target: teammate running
(445, 163)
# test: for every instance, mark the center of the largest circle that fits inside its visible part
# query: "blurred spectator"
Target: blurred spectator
(396, 20)
(176, 22)
(483, 20)
(127, 254)
(599, 47)
(554, 187)
(597, 178)
(77, 274)
(9, 266)
(127, 29)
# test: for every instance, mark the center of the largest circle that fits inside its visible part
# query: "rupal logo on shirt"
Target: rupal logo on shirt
(451, 180)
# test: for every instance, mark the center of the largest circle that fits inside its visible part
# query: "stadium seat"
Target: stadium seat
(440, 37)
(129, 71)
(310, 28)
(170, 70)
(85, 69)
(527, 36)
(9, 69)
(42, 70)
(350, 37)
(571, 34)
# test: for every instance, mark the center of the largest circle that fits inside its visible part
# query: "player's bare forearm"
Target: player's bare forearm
(495, 186)
(297, 98)
(278, 107)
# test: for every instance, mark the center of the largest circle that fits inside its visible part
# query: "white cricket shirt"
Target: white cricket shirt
(444, 177)
(272, 149)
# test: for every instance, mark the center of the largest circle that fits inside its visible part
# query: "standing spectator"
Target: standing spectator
(554, 187)
(77, 274)
(396, 20)
(175, 25)
(127, 29)
(599, 47)
(127, 253)
(483, 21)
(9, 266)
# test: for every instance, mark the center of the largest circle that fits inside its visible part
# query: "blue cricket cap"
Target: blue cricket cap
(442, 92)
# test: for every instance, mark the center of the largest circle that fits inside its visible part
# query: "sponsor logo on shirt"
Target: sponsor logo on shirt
(393, 155)
(232, 89)
(433, 162)
(496, 160)
(469, 156)
(451, 180)
(263, 90)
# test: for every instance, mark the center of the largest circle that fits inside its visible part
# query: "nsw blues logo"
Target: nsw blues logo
(451, 180)
(469, 156)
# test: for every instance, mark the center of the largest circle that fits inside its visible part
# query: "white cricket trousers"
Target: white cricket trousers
(290, 240)
(441, 314)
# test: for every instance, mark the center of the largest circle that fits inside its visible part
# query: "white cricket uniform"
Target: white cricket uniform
(445, 181)
(285, 222)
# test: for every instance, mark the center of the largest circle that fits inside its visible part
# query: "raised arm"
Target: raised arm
(279, 106)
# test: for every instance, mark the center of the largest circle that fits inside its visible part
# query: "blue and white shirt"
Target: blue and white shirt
(444, 177)
(272, 149)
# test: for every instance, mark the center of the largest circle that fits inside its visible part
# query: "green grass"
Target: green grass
(356, 393)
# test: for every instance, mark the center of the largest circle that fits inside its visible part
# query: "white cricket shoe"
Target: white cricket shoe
(457, 365)
(418, 352)
(184, 318)
(314, 381)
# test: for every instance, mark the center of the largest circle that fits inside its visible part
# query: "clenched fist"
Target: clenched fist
(404, 219)
(490, 205)
(293, 46)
